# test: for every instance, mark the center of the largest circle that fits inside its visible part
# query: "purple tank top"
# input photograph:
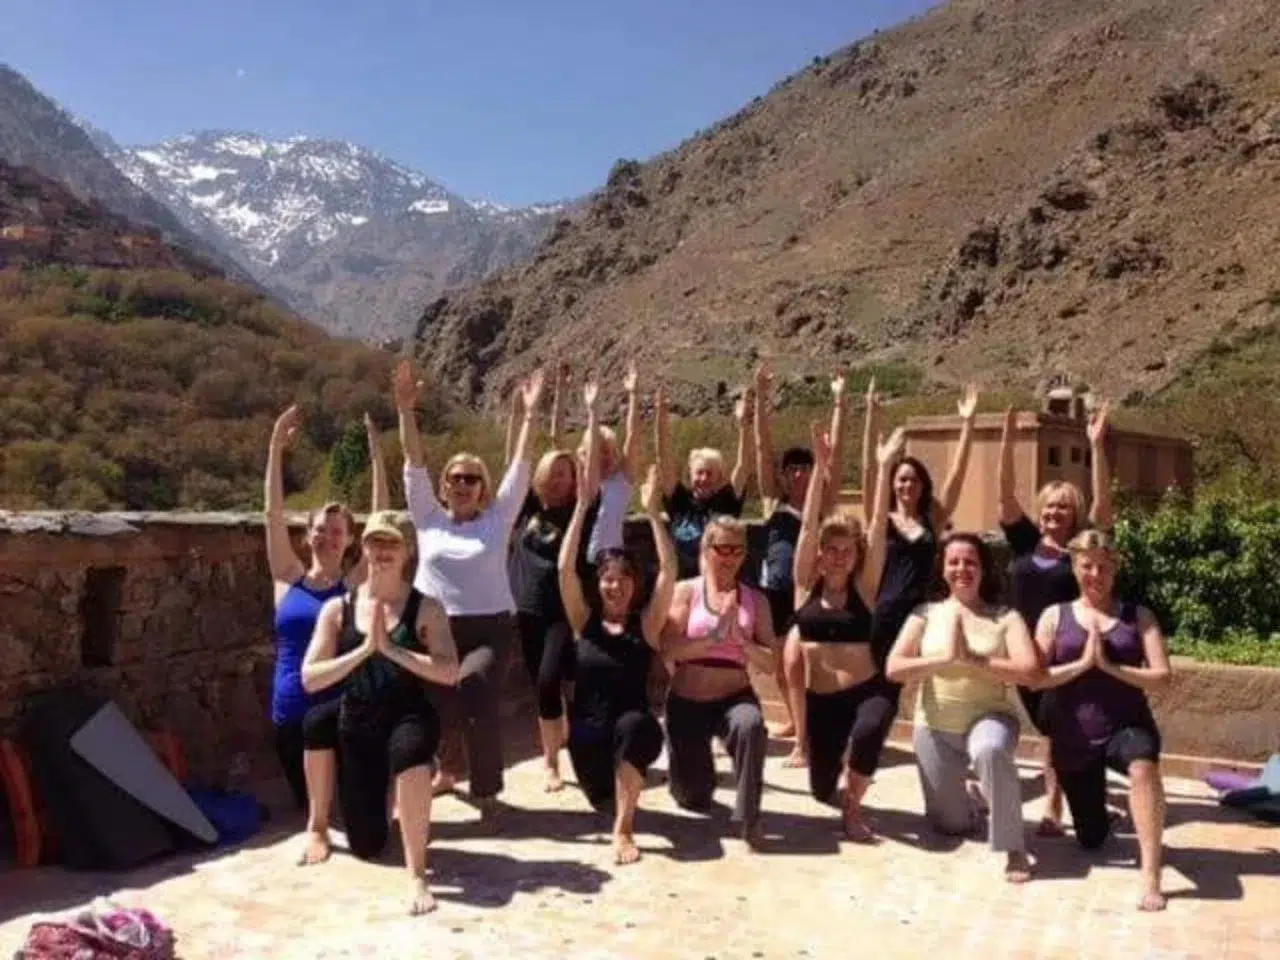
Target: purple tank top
(1089, 710)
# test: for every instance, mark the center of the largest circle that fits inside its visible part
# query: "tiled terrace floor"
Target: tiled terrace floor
(548, 888)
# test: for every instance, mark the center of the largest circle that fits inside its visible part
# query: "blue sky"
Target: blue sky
(512, 101)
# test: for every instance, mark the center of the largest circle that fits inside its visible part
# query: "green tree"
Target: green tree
(348, 459)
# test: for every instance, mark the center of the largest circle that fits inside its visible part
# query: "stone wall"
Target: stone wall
(171, 615)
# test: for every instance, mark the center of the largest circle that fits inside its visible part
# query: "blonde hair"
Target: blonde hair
(542, 472)
(607, 437)
(1055, 487)
(712, 457)
(843, 525)
(470, 460)
(723, 524)
(1092, 539)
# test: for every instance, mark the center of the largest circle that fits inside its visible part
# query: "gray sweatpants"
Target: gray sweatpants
(942, 760)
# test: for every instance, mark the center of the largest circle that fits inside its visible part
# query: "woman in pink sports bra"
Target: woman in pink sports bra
(716, 626)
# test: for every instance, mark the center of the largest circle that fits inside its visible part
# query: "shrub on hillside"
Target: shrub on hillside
(1208, 569)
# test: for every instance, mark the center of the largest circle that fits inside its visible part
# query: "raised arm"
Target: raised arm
(743, 412)
(571, 594)
(631, 442)
(667, 467)
(1155, 674)
(514, 487)
(839, 408)
(320, 668)
(766, 466)
(1006, 481)
(870, 431)
(655, 614)
(558, 390)
(804, 570)
(907, 663)
(419, 491)
(515, 407)
(887, 455)
(380, 495)
(282, 560)
(967, 407)
(440, 663)
(1100, 513)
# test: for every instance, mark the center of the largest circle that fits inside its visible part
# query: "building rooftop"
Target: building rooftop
(548, 888)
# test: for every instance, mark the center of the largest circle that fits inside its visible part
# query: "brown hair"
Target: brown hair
(334, 508)
(842, 525)
(989, 586)
(542, 472)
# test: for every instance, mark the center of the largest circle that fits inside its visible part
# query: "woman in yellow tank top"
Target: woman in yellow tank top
(968, 654)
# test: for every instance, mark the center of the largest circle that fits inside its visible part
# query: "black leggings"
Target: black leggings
(636, 739)
(1033, 702)
(470, 713)
(377, 741)
(857, 720)
(1085, 785)
(548, 651)
(288, 739)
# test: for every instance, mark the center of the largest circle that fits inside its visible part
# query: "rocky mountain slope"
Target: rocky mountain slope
(347, 237)
(1010, 189)
(35, 132)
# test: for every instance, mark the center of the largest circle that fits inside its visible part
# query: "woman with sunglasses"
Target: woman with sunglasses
(1041, 576)
(1104, 655)
(382, 643)
(710, 491)
(967, 653)
(463, 548)
(847, 707)
(783, 489)
(613, 734)
(717, 626)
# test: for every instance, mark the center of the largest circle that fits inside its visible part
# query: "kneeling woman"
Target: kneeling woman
(613, 735)
(968, 655)
(716, 626)
(384, 640)
(848, 706)
(1103, 656)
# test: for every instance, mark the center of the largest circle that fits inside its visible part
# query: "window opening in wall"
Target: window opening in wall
(1055, 456)
(100, 615)
(1076, 454)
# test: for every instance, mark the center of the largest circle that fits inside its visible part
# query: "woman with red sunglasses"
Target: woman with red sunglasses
(463, 540)
(719, 625)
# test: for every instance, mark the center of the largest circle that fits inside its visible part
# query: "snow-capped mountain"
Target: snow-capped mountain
(335, 228)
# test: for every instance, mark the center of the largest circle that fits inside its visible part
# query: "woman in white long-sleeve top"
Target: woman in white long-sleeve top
(463, 538)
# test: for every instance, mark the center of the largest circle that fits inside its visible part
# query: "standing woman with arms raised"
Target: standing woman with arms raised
(1104, 655)
(1041, 574)
(462, 560)
(784, 487)
(846, 707)
(712, 491)
(613, 735)
(300, 591)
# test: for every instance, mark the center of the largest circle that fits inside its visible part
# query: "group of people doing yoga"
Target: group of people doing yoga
(386, 676)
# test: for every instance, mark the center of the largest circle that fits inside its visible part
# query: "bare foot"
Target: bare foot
(786, 730)
(1048, 827)
(1017, 868)
(555, 783)
(422, 900)
(1152, 900)
(443, 783)
(752, 835)
(316, 849)
(796, 758)
(855, 827)
(624, 849)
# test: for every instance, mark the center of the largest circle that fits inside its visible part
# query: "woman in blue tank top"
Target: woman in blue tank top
(300, 591)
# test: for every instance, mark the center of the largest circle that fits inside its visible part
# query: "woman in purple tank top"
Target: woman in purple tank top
(1103, 656)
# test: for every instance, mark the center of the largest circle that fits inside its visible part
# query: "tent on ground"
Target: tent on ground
(112, 802)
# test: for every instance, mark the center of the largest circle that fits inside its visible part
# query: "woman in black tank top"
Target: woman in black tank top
(385, 730)
(847, 706)
(613, 735)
